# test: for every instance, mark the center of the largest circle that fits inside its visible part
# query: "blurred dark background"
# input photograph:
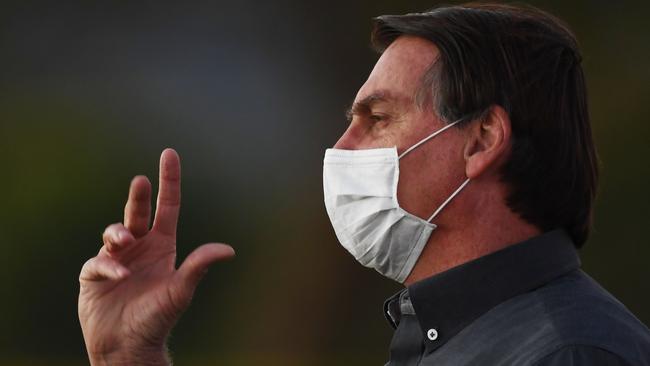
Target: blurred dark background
(250, 93)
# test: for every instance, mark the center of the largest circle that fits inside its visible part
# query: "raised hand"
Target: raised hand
(131, 293)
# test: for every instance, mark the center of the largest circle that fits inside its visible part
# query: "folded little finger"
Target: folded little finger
(102, 268)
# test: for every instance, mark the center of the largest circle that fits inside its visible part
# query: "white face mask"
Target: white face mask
(360, 188)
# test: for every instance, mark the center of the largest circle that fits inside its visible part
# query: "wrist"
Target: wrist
(148, 357)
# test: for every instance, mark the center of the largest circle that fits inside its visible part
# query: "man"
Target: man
(480, 113)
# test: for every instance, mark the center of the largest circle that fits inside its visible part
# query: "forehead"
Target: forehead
(400, 68)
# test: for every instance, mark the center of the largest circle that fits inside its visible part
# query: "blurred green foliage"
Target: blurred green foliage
(250, 95)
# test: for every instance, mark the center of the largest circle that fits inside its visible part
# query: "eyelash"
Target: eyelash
(377, 118)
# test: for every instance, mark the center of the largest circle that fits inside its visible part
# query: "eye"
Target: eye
(376, 117)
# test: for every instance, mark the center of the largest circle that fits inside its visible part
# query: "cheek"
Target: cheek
(428, 175)
(381, 137)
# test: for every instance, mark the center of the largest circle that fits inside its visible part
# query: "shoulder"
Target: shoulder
(577, 307)
(570, 316)
(579, 355)
(585, 325)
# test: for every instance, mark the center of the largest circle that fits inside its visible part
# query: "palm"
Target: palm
(137, 307)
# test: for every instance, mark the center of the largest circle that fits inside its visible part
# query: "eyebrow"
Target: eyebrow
(366, 103)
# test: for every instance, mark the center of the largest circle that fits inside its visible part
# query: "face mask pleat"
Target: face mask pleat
(349, 206)
(390, 258)
(365, 230)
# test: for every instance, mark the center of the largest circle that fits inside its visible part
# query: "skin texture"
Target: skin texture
(385, 114)
(131, 294)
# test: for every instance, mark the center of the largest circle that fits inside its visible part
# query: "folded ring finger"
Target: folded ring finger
(116, 237)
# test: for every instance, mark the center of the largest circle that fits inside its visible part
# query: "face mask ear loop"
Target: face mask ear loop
(426, 139)
(449, 199)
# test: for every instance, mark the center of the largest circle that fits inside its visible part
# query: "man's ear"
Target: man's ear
(488, 142)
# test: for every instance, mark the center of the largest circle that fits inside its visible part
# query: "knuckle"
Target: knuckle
(169, 200)
(89, 263)
(110, 230)
(106, 234)
(141, 196)
(171, 175)
(113, 235)
(87, 267)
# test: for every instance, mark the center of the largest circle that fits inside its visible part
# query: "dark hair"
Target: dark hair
(526, 61)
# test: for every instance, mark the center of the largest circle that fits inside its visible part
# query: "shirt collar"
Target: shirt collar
(449, 301)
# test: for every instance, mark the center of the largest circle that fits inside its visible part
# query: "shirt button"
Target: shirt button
(432, 334)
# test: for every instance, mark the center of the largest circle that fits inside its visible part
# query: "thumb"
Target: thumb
(196, 264)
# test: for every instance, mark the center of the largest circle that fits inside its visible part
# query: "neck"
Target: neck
(486, 225)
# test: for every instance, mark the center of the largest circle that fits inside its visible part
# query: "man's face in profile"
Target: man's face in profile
(385, 114)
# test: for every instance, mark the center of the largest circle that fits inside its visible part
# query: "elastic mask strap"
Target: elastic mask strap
(427, 139)
(449, 199)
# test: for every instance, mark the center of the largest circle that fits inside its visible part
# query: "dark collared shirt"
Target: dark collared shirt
(528, 304)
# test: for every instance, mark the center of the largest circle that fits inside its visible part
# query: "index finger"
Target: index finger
(169, 193)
